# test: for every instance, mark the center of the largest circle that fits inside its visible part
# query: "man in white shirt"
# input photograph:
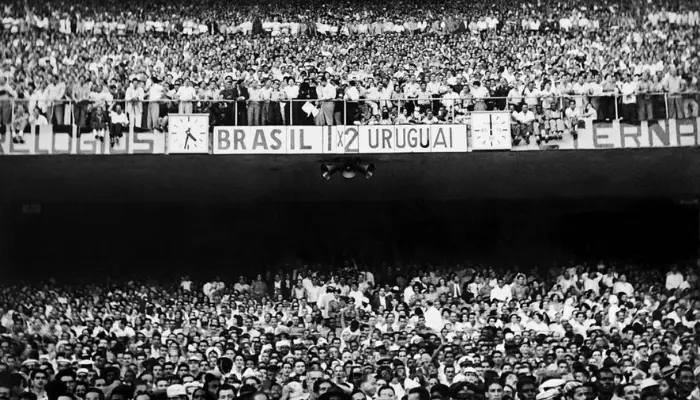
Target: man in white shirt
(254, 105)
(328, 94)
(674, 279)
(526, 119)
(480, 94)
(572, 115)
(155, 94)
(56, 94)
(623, 286)
(186, 94)
(629, 99)
(119, 122)
(352, 96)
(502, 291)
(134, 106)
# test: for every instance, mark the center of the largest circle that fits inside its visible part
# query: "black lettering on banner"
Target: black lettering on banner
(373, 133)
(149, 141)
(412, 138)
(238, 139)
(599, 134)
(223, 139)
(37, 150)
(633, 132)
(661, 132)
(686, 128)
(303, 146)
(117, 149)
(55, 149)
(353, 139)
(259, 140)
(440, 139)
(341, 138)
(422, 131)
(330, 138)
(386, 138)
(292, 139)
(275, 135)
(400, 138)
(90, 146)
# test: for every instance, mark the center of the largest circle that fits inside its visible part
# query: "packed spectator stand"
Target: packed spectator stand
(404, 332)
(347, 62)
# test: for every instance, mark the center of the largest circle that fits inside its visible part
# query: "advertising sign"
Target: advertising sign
(340, 139)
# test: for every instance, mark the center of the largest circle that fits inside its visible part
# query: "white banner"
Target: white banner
(340, 139)
(43, 140)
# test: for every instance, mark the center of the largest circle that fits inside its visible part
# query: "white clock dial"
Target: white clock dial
(189, 134)
(491, 131)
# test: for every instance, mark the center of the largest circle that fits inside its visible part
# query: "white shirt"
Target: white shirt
(624, 287)
(328, 92)
(186, 93)
(155, 92)
(674, 281)
(501, 293)
(119, 118)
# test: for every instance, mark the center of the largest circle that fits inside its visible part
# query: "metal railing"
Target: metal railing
(16, 114)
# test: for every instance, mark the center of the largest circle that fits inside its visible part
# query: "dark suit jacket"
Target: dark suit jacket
(375, 301)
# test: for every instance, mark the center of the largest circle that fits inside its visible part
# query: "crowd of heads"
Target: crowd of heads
(410, 332)
(404, 62)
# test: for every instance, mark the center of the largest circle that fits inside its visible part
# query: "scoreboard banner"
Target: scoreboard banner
(487, 131)
(340, 139)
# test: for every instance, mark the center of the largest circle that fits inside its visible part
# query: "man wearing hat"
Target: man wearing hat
(176, 392)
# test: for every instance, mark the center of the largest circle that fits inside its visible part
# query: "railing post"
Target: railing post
(12, 118)
(235, 113)
(617, 115)
(291, 111)
(345, 112)
(666, 102)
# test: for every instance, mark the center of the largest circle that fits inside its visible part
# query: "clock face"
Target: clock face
(491, 131)
(188, 134)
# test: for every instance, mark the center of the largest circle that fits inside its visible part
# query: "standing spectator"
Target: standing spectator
(327, 98)
(674, 85)
(646, 112)
(241, 95)
(629, 98)
(56, 92)
(134, 97)
(254, 104)
(155, 95)
(186, 94)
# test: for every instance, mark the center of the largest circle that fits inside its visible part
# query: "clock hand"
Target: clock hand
(189, 135)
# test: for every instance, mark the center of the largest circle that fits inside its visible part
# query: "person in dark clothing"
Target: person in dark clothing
(308, 93)
(500, 94)
(240, 93)
(218, 116)
(228, 94)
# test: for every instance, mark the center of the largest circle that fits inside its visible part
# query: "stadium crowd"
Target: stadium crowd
(343, 62)
(409, 332)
